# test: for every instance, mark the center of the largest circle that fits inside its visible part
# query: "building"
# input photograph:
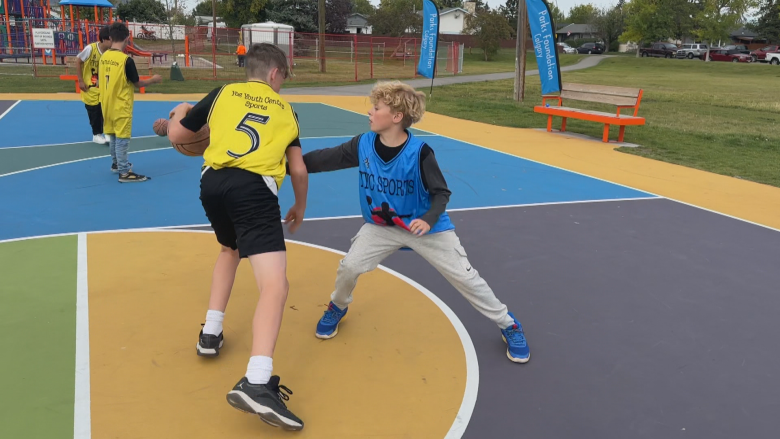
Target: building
(576, 31)
(452, 21)
(358, 24)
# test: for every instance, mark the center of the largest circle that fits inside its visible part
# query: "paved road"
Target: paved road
(364, 89)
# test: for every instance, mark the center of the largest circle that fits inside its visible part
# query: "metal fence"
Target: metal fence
(203, 55)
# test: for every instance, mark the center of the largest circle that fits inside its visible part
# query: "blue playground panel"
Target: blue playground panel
(85, 196)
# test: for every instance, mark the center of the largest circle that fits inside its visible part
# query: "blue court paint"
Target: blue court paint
(33, 123)
(86, 196)
(54, 122)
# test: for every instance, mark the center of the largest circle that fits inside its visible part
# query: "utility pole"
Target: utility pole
(214, 25)
(321, 41)
(522, 30)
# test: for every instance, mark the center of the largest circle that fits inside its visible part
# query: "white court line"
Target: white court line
(74, 161)
(67, 143)
(590, 176)
(9, 109)
(82, 408)
(326, 218)
(154, 135)
(82, 418)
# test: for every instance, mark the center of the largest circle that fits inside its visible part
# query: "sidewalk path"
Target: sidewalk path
(365, 89)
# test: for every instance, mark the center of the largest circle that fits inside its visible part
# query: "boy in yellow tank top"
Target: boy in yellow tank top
(254, 132)
(87, 63)
(118, 79)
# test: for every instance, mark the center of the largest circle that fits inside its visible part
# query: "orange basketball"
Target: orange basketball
(197, 146)
(160, 127)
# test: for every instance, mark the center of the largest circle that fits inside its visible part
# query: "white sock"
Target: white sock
(259, 369)
(213, 324)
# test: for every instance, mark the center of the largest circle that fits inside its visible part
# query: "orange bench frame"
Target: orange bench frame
(75, 78)
(606, 120)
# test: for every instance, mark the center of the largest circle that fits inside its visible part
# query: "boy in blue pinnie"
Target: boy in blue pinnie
(403, 196)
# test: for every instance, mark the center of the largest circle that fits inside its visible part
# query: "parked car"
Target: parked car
(740, 47)
(691, 51)
(591, 48)
(566, 48)
(773, 58)
(732, 55)
(663, 50)
(760, 54)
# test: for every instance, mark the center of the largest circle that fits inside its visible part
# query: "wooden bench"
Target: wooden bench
(621, 97)
(141, 64)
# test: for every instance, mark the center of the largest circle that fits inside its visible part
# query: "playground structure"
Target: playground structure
(74, 24)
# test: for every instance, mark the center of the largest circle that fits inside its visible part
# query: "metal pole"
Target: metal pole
(321, 43)
(213, 37)
(519, 92)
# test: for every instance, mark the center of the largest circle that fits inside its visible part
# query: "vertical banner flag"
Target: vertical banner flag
(543, 36)
(430, 40)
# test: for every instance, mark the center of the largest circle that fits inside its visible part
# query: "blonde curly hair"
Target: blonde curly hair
(401, 98)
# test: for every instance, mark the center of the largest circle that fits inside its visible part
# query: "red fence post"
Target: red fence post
(371, 55)
(355, 43)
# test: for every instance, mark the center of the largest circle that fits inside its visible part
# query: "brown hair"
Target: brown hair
(401, 98)
(261, 58)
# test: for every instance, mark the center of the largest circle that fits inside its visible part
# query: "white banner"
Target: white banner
(43, 38)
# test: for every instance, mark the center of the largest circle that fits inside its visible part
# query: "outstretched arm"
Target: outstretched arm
(332, 159)
(186, 119)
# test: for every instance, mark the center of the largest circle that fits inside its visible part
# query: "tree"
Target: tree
(300, 14)
(647, 20)
(394, 17)
(768, 23)
(238, 12)
(718, 17)
(142, 11)
(583, 14)
(336, 13)
(489, 28)
(204, 8)
(363, 7)
(609, 24)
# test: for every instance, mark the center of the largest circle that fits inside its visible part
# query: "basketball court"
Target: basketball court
(648, 292)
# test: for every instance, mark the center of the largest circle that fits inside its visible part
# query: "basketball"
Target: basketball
(197, 146)
(160, 127)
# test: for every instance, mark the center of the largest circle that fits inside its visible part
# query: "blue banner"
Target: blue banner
(543, 37)
(430, 40)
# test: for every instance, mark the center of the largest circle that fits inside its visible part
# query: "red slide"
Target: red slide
(132, 49)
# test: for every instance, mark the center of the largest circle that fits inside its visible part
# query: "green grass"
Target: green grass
(19, 78)
(719, 117)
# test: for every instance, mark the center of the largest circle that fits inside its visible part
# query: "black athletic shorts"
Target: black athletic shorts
(243, 211)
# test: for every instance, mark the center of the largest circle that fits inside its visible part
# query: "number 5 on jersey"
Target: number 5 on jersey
(254, 136)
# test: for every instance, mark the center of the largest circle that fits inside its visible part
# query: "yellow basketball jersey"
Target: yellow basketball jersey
(116, 92)
(89, 74)
(251, 128)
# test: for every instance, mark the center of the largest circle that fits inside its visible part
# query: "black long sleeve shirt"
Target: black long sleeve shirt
(346, 156)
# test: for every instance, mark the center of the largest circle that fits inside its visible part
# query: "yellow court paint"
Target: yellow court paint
(396, 369)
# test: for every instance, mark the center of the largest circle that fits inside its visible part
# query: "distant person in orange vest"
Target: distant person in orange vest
(241, 52)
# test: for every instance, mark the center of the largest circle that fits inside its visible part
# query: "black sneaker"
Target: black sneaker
(265, 400)
(115, 168)
(209, 344)
(132, 177)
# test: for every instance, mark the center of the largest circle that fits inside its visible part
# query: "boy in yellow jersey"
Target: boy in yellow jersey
(117, 76)
(253, 131)
(87, 63)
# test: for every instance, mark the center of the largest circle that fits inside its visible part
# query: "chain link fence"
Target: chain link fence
(203, 54)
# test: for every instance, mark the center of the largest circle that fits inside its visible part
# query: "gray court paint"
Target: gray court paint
(645, 319)
(4, 105)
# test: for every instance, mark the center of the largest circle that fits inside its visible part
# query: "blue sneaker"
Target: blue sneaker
(517, 348)
(328, 326)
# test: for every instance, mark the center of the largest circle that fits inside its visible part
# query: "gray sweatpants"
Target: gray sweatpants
(373, 243)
